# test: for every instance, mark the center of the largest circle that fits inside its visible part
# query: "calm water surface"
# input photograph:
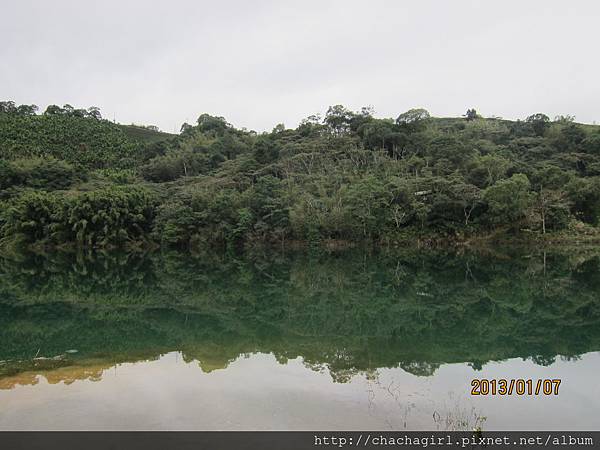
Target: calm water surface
(344, 341)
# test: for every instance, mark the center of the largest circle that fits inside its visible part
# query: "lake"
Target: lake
(386, 340)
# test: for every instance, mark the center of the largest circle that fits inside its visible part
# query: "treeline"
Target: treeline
(344, 176)
(9, 107)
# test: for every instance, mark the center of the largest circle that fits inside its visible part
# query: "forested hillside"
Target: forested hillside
(69, 177)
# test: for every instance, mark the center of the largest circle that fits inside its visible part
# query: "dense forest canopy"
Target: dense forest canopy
(69, 176)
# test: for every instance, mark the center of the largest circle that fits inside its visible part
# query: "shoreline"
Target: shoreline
(407, 241)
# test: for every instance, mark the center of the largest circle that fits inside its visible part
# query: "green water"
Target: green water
(387, 340)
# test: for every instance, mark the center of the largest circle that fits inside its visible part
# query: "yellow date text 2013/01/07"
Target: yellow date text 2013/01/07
(519, 386)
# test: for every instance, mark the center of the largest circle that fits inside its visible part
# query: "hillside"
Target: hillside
(145, 134)
(348, 176)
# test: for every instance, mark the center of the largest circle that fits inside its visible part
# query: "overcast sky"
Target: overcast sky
(259, 63)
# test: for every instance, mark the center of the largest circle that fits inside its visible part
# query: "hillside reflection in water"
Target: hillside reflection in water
(350, 340)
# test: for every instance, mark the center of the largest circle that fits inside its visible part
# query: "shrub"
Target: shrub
(111, 216)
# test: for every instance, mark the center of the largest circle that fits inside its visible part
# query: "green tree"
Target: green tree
(8, 107)
(539, 123)
(508, 200)
(94, 113)
(338, 119)
(552, 208)
(413, 119)
(471, 114)
(368, 201)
